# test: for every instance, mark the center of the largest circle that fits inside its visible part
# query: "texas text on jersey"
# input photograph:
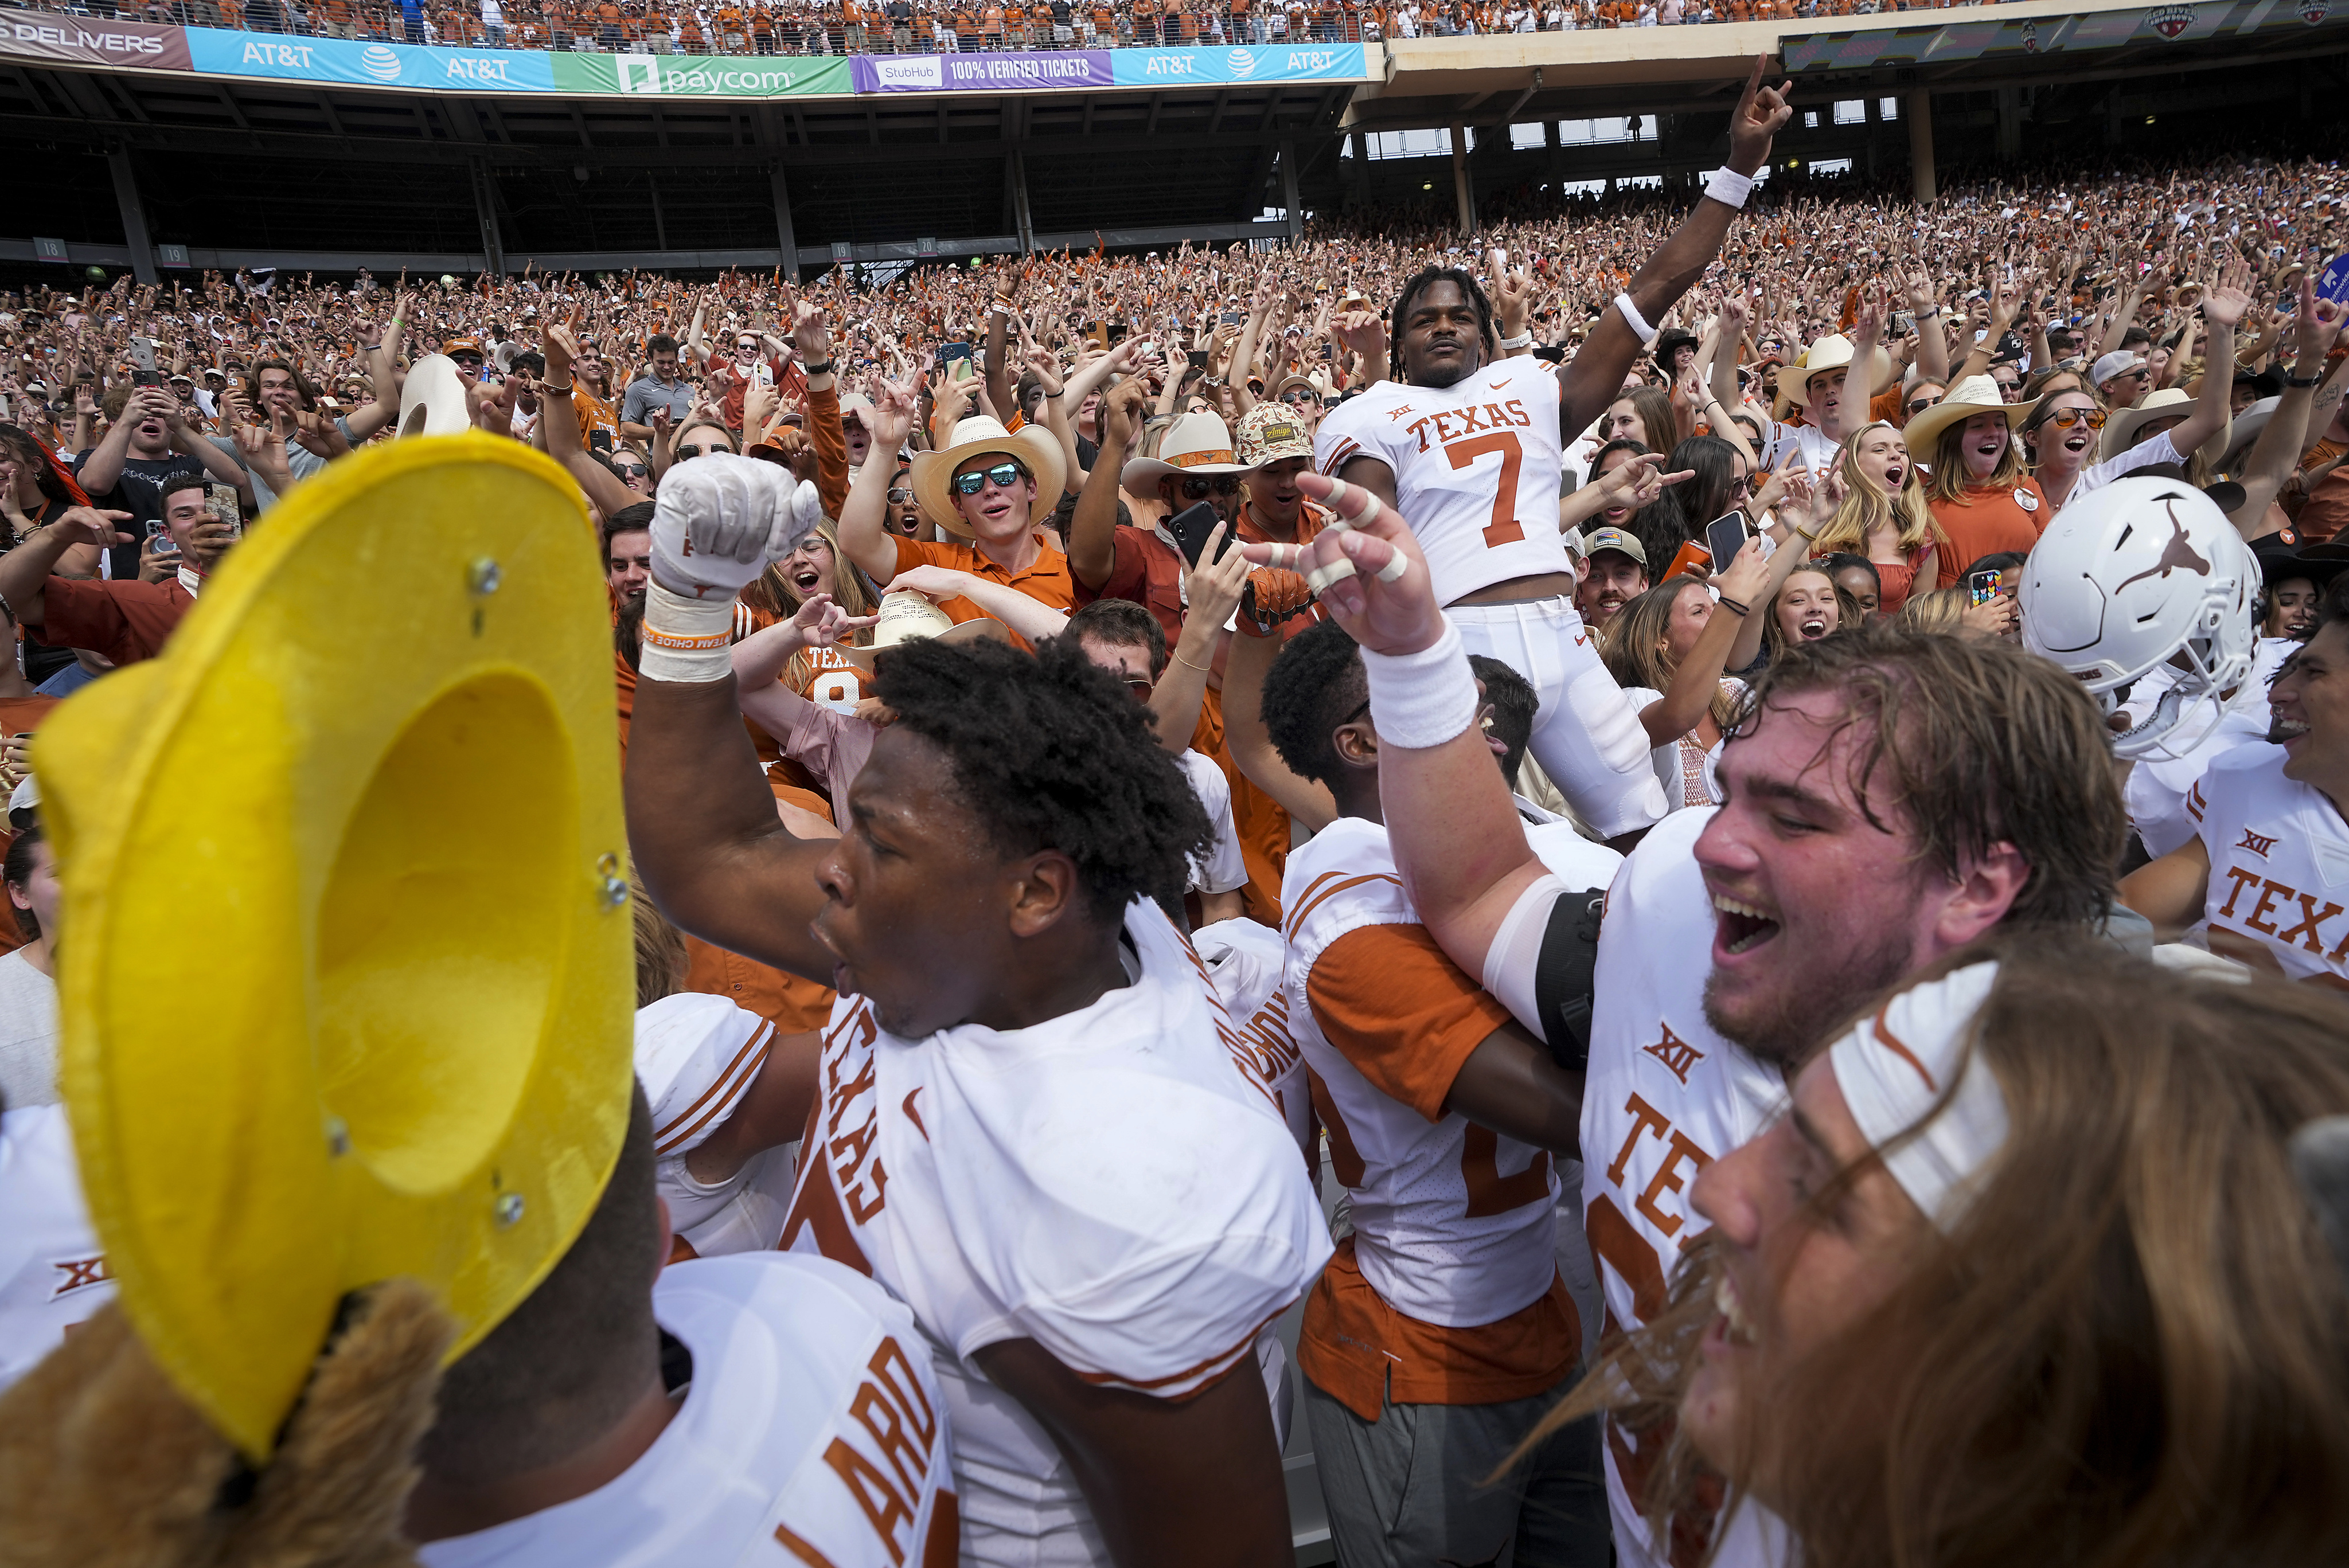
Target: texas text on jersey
(813, 1432)
(2278, 892)
(1112, 1185)
(1475, 465)
(1664, 1097)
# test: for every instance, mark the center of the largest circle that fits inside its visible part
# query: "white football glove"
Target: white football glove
(718, 521)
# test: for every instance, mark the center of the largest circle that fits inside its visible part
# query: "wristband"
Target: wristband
(1522, 340)
(2289, 380)
(1729, 187)
(812, 371)
(1731, 605)
(1633, 319)
(1423, 700)
(686, 639)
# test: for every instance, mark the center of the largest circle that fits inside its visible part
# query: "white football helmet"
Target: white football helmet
(2130, 576)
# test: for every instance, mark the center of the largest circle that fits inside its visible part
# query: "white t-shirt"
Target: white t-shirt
(1222, 869)
(1115, 1184)
(53, 1273)
(813, 1431)
(1683, 767)
(1477, 468)
(2144, 454)
(1664, 1097)
(1798, 447)
(2279, 862)
(29, 1034)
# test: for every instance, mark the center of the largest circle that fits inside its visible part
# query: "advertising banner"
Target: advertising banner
(701, 76)
(981, 73)
(351, 63)
(1981, 37)
(92, 41)
(1256, 62)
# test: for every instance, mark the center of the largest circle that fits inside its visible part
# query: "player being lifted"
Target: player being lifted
(1466, 443)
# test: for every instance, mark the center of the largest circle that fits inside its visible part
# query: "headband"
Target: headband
(1895, 1067)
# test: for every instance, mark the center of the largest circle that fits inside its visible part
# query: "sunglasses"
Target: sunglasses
(683, 452)
(631, 470)
(1202, 488)
(2064, 419)
(901, 496)
(468, 361)
(1299, 398)
(1919, 405)
(747, 345)
(1141, 688)
(1002, 475)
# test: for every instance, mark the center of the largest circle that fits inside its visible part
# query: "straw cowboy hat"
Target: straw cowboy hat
(2169, 403)
(1833, 352)
(1974, 394)
(416, 1057)
(2244, 434)
(1034, 448)
(1194, 444)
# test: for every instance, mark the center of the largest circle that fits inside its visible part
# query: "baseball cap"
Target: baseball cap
(1270, 432)
(1614, 539)
(456, 345)
(2119, 362)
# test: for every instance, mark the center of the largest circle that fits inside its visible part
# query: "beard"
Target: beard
(1443, 375)
(1787, 1028)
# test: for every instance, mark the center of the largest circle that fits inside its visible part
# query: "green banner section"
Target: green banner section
(702, 76)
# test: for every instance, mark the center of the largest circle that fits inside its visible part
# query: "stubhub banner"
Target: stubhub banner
(355, 63)
(1046, 69)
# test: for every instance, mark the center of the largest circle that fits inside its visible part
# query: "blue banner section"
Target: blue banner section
(1257, 63)
(353, 64)
(348, 63)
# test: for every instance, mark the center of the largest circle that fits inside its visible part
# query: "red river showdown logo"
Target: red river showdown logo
(2314, 11)
(2031, 37)
(2169, 21)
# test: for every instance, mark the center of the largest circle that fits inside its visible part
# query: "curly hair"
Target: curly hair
(1312, 686)
(1420, 282)
(1049, 752)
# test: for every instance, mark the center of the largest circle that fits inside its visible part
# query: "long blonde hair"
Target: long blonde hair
(1867, 508)
(771, 595)
(2129, 1349)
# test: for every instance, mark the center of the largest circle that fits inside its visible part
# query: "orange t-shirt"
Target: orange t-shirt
(1047, 580)
(1988, 523)
(18, 715)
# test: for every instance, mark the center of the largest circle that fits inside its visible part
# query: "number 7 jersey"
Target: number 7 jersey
(1476, 466)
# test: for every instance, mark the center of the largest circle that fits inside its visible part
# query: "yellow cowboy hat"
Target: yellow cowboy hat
(348, 996)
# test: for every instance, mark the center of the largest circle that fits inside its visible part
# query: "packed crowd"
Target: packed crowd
(1713, 828)
(922, 27)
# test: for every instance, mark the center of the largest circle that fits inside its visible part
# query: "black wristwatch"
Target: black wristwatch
(814, 370)
(2290, 380)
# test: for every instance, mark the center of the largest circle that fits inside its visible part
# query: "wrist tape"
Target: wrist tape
(1423, 700)
(686, 639)
(1634, 320)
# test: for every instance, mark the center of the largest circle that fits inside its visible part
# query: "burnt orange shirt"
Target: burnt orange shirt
(1987, 522)
(1047, 580)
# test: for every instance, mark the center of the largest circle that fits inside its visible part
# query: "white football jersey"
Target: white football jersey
(53, 1272)
(1453, 1221)
(1477, 468)
(1115, 1184)
(813, 1432)
(1247, 962)
(1221, 869)
(1664, 1097)
(697, 1056)
(2159, 787)
(2278, 865)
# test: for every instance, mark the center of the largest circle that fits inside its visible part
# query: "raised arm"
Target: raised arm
(2224, 306)
(864, 533)
(702, 827)
(1093, 524)
(25, 570)
(1932, 343)
(1307, 802)
(1694, 684)
(558, 424)
(1212, 591)
(1593, 378)
(2277, 452)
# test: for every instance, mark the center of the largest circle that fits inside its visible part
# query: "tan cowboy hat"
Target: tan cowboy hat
(1974, 394)
(1194, 444)
(432, 399)
(2169, 403)
(2244, 434)
(977, 437)
(1827, 354)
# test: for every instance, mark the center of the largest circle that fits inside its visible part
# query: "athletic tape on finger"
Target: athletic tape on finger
(1319, 577)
